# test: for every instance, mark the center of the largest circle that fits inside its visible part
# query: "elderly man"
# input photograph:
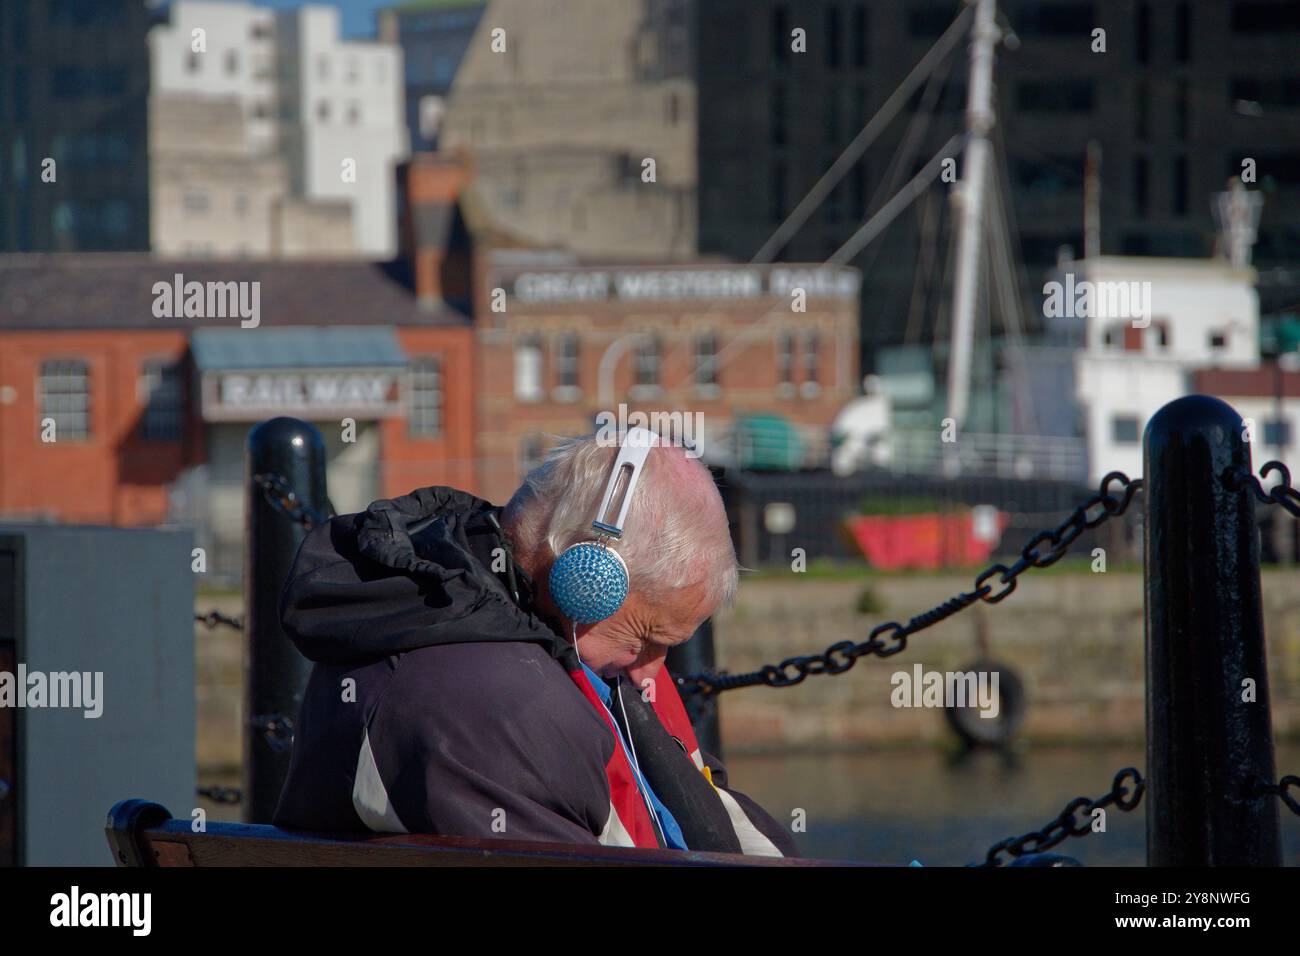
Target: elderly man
(451, 694)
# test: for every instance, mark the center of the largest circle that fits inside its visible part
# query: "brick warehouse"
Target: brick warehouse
(460, 363)
(560, 340)
(715, 342)
(152, 413)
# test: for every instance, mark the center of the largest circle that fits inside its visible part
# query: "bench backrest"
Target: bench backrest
(141, 833)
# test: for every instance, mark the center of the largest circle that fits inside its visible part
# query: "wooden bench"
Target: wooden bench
(141, 833)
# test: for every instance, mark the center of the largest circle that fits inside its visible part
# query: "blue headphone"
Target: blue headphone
(589, 580)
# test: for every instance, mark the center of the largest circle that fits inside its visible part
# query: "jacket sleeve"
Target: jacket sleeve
(760, 834)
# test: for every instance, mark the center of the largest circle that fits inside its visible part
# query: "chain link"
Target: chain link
(215, 617)
(1280, 494)
(1069, 822)
(1281, 790)
(1042, 550)
(281, 496)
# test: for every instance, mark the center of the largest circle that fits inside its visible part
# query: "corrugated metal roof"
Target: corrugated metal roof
(262, 348)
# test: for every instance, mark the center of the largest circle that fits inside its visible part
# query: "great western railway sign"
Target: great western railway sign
(649, 284)
(254, 395)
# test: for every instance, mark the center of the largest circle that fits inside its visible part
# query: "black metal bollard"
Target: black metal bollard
(1204, 637)
(284, 454)
(695, 657)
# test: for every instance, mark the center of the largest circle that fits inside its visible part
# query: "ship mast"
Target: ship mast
(979, 121)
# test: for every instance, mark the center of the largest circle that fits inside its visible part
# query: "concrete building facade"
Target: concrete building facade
(327, 109)
(582, 120)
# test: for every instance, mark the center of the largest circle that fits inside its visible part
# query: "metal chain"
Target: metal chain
(1281, 791)
(841, 656)
(285, 500)
(221, 794)
(1280, 494)
(215, 617)
(1068, 823)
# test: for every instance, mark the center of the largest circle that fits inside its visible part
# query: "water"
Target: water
(897, 806)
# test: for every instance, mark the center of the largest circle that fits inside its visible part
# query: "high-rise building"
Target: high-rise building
(581, 119)
(330, 109)
(1183, 95)
(433, 35)
(74, 84)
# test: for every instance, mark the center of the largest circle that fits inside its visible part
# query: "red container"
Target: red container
(894, 542)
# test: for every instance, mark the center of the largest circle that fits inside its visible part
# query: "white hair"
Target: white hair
(676, 533)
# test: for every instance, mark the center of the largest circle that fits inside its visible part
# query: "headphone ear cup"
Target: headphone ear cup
(588, 582)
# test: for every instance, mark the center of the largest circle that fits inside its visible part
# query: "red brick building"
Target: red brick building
(561, 341)
(128, 383)
(111, 413)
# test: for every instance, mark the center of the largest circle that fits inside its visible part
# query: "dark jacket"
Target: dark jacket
(440, 703)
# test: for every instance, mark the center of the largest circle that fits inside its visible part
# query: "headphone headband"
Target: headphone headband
(589, 580)
(631, 460)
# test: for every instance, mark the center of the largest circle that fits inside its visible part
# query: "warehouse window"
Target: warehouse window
(532, 452)
(1055, 96)
(160, 391)
(424, 398)
(528, 369)
(1124, 429)
(1277, 432)
(647, 362)
(859, 36)
(706, 360)
(811, 365)
(64, 396)
(780, 37)
(566, 361)
(785, 361)
(832, 38)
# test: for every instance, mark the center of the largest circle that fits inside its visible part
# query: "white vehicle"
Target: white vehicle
(860, 434)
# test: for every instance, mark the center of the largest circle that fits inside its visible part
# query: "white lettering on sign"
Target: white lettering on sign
(647, 285)
(305, 390)
(562, 286)
(817, 281)
(690, 284)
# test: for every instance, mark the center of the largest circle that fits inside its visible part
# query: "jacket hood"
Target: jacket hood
(406, 573)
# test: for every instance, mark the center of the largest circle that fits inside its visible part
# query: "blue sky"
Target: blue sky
(358, 15)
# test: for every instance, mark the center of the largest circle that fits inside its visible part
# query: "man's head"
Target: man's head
(681, 563)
